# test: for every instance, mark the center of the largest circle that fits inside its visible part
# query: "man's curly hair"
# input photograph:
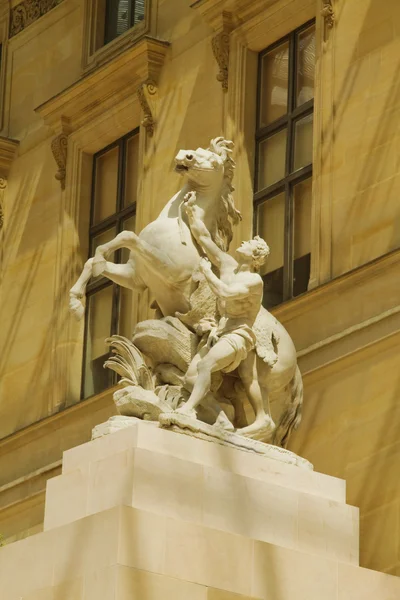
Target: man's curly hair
(260, 253)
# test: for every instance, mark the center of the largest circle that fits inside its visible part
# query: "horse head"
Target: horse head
(213, 168)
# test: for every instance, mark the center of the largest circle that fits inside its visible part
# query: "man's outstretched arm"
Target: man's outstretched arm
(203, 236)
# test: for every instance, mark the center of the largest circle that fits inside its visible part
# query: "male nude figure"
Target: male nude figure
(239, 292)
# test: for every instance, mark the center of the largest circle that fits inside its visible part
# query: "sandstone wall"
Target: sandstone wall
(346, 330)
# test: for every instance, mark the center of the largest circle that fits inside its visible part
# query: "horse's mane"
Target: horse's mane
(227, 214)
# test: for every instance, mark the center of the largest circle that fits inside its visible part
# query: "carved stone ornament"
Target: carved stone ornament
(220, 47)
(59, 147)
(27, 12)
(327, 13)
(191, 369)
(145, 90)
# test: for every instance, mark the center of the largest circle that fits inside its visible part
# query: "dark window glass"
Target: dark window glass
(121, 15)
(284, 148)
(113, 209)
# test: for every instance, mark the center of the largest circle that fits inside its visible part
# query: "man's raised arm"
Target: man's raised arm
(223, 290)
(202, 235)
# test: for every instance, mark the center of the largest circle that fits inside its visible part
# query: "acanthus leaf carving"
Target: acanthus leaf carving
(59, 147)
(328, 13)
(27, 12)
(220, 48)
(145, 90)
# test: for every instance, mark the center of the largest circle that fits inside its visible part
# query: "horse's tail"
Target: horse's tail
(291, 416)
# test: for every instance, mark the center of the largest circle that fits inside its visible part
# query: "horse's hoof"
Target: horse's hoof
(77, 308)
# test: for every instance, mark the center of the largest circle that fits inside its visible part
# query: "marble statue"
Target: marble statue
(231, 344)
(214, 359)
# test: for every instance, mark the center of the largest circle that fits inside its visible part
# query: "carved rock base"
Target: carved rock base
(116, 424)
(194, 428)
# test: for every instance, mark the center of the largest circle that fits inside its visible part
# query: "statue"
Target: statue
(213, 350)
(232, 343)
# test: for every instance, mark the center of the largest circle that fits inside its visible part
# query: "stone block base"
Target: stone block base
(150, 514)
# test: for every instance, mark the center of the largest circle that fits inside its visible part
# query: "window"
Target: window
(121, 15)
(109, 308)
(282, 200)
(112, 26)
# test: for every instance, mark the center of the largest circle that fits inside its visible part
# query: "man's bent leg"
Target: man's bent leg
(218, 357)
(263, 425)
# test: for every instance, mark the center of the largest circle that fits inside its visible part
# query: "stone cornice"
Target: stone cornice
(241, 10)
(134, 71)
(103, 88)
(363, 275)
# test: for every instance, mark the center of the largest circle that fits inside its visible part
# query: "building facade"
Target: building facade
(96, 98)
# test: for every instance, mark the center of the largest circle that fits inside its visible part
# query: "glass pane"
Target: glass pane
(302, 236)
(128, 225)
(274, 84)
(131, 177)
(303, 142)
(105, 196)
(305, 65)
(139, 11)
(271, 160)
(98, 329)
(117, 18)
(271, 227)
(302, 217)
(103, 238)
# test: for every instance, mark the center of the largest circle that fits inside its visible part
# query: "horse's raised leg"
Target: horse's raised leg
(155, 259)
(123, 275)
(77, 292)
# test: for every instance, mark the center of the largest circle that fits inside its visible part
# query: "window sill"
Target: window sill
(117, 46)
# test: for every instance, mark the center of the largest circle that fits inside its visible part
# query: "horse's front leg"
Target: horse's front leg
(125, 239)
(77, 292)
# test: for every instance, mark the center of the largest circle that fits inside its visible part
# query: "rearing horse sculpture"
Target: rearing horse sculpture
(164, 256)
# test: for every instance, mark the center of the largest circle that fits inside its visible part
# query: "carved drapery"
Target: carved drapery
(144, 92)
(59, 147)
(27, 12)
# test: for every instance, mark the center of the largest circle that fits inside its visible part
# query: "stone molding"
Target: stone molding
(27, 12)
(134, 71)
(8, 149)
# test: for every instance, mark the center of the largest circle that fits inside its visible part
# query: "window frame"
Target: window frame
(286, 122)
(117, 219)
(95, 55)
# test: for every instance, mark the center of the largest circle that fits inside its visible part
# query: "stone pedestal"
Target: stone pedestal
(156, 515)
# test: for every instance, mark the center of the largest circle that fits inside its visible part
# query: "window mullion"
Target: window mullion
(288, 246)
